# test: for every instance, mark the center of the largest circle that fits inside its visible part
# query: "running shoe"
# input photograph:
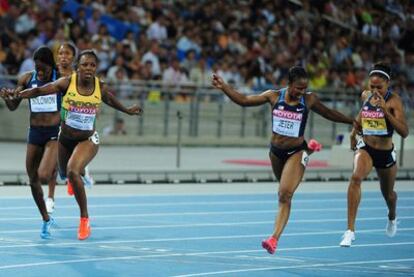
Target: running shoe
(391, 228)
(270, 245)
(46, 226)
(61, 180)
(347, 238)
(88, 181)
(70, 187)
(50, 205)
(84, 230)
(314, 145)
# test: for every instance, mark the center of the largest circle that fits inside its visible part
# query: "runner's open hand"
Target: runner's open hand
(134, 110)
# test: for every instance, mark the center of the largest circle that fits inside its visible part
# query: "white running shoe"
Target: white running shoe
(87, 179)
(391, 228)
(60, 180)
(50, 205)
(347, 238)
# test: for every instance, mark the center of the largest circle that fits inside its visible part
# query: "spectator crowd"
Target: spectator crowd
(250, 43)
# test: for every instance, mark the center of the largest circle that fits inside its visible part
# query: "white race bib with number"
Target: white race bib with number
(287, 123)
(95, 138)
(360, 143)
(44, 103)
(80, 121)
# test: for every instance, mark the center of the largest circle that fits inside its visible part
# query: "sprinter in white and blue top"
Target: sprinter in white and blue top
(41, 155)
(381, 114)
(288, 150)
(44, 103)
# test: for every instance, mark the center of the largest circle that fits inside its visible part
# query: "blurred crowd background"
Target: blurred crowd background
(162, 54)
(250, 43)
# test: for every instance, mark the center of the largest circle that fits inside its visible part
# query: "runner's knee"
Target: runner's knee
(73, 173)
(44, 176)
(356, 180)
(285, 197)
(389, 195)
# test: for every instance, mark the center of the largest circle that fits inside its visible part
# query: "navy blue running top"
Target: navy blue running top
(289, 120)
(44, 103)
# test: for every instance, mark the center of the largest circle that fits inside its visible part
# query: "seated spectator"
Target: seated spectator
(103, 38)
(15, 56)
(152, 55)
(200, 75)
(189, 61)
(119, 65)
(122, 86)
(28, 64)
(93, 22)
(130, 41)
(174, 75)
(319, 80)
(373, 29)
(186, 42)
(157, 30)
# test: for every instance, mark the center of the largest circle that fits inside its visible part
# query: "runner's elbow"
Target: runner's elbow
(404, 133)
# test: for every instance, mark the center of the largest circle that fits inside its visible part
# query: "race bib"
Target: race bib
(44, 103)
(95, 138)
(374, 127)
(80, 121)
(360, 143)
(287, 123)
(305, 158)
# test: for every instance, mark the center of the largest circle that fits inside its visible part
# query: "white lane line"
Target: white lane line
(382, 208)
(297, 267)
(308, 248)
(200, 238)
(404, 187)
(195, 225)
(221, 252)
(200, 203)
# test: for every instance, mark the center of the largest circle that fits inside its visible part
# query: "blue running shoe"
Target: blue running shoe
(88, 181)
(45, 232)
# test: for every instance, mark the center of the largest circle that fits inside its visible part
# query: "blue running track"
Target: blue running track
(206, 235)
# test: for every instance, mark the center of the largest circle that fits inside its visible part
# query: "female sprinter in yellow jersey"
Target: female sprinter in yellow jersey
(83, 93)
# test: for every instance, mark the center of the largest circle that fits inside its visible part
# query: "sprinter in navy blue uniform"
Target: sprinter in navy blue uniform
(288, 155)
(41, 154)
(381, 113)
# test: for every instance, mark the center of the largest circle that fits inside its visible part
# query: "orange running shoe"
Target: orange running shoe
(270, 245)
(70, 187)
(84, 228)
(314, 145)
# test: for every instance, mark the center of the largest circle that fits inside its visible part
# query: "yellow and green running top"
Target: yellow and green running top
(79, 111)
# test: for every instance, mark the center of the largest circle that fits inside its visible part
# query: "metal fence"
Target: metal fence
(199, 115)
